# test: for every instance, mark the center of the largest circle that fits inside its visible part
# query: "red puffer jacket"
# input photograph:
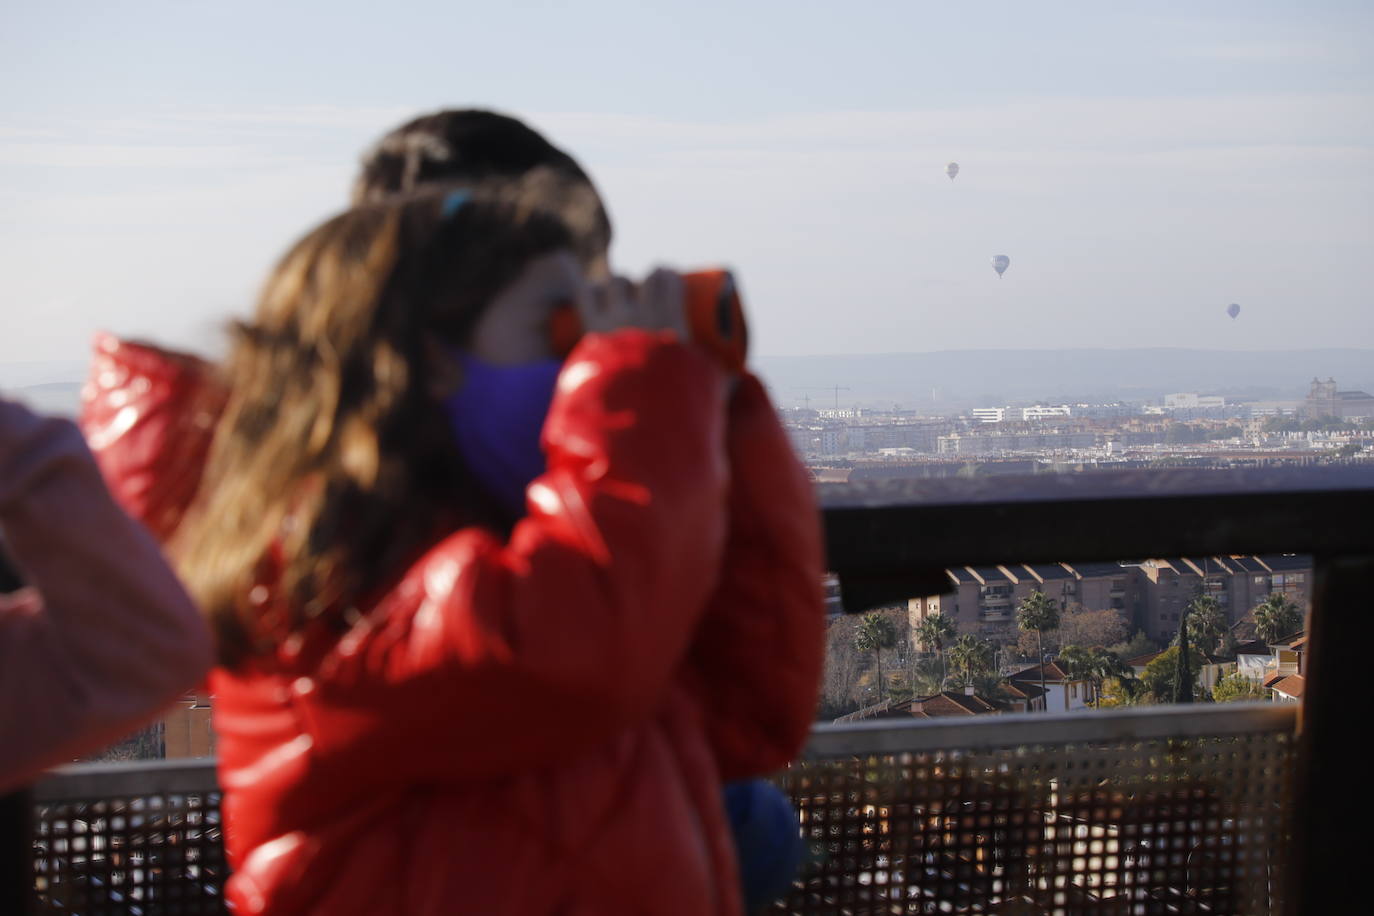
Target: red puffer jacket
(539, 725)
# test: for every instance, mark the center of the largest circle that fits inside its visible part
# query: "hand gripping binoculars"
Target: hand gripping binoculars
(714, 313)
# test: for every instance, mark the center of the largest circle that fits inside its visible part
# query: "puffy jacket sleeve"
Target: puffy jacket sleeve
(758, 654)
(104, 636)
(515, 654)
(149, 415)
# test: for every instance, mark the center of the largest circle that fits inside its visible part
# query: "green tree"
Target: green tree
(926, 677)
(1081, 627)
(1038, 612)
(1183, 434)
(1105, 664)
(1093, 665)
(1125, 690)
(935, 632)
(971, 657)
(1136, 646)
(876, 633)
(1185, 674)
(1278, 424)
(1236, 687)
(1206, 623)
(1276, 617)
(1162, 671)
(1076, 662)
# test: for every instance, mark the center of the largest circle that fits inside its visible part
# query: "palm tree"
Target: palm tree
(971, 656)
(1077, 663)
(876, 633)
(1206, 623)
(1038, 612)
(1127, 689)
(926, 677)
(934, 632)
(1103, 665)
(1276, 617)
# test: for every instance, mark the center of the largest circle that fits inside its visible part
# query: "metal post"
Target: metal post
(16, 852)
(1328, 850)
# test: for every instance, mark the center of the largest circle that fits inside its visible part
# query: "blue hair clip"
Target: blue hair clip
(453, 202)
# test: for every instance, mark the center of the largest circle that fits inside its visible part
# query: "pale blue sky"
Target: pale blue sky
(1142, 164)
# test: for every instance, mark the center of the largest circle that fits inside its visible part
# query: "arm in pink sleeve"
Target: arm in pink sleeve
(106, 636)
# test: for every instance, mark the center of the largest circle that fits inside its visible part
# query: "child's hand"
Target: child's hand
(656, 304)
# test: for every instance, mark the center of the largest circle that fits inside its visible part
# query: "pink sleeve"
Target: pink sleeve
(106, 637)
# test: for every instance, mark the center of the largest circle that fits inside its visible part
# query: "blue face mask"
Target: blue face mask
(497, 416)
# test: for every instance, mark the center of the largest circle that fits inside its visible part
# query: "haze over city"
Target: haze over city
(1143, 168)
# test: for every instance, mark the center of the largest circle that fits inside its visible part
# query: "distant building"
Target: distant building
(992, 443)
(1003, 414)
(945, 704)
(1151, 594)
(1043, 413)
(989, 414)
(1324, 400)
(1193, 400)
(1288, 675)
(1062, 692)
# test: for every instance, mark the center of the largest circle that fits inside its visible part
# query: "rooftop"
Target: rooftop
(1097, 569)
(1048, 572)
(1292, 685)
(1053, 674)
(989, 575)
(1286, 561)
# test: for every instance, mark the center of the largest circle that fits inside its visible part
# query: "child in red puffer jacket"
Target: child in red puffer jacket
(424, 708)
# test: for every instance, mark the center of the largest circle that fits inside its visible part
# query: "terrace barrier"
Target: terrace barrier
(1205, 809)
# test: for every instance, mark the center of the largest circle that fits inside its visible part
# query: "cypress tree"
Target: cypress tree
(1183, 678)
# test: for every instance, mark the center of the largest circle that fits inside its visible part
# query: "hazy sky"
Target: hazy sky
(1143, 164)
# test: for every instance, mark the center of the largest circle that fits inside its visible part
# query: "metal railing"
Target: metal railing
(1147, 810)
(1177, 810)
(1226, 809)
(136, 838)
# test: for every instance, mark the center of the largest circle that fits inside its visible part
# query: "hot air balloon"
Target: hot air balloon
(1000, 263)
(951, 170)
(1233, 310)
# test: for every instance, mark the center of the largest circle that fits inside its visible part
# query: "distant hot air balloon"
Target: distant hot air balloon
(951, 170)
(1000, 263)
(1233, 310)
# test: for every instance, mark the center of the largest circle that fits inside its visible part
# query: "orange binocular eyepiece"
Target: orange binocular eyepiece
(714, 313)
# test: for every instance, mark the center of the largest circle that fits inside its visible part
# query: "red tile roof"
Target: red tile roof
(1053, 673)
(1140, 661)
(1290, 686)
(1025, 690)
(954, 704)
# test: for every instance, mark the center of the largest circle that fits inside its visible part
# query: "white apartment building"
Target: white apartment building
(989, 414)
(1001, 414)
(1192, 400)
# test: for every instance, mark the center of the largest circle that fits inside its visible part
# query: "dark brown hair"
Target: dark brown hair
(469, 146)
(333, 463)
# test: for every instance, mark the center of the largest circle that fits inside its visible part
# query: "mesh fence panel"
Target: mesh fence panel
(1167, 825)
(993, 817)
(135, 854)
